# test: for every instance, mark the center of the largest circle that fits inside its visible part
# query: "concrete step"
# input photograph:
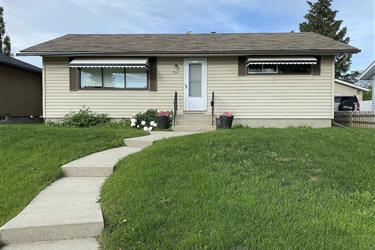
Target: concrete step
(193, 118)
(148, 140)
(99, 164)
(67, 209)
(76, 244)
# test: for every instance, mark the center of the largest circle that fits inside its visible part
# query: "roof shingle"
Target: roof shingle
(217, 43)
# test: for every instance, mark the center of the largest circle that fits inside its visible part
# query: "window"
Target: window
(136, 78)
(281, 69)
(91, 78)
(114, 78)
(295, 69)
(262, 69)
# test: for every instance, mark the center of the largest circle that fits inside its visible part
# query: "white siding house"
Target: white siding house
(266, 80)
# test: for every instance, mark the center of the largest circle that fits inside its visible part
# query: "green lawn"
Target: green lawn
(31, 157)
(246, 188)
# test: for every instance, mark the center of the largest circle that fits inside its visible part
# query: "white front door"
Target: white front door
(195, 77)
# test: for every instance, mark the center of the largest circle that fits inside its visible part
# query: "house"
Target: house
(20, 91)
(343, 88)
(265, 79)
(369, 75)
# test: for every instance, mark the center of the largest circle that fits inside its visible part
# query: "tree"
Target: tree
(321, 19)
(351, 77)
(5, 46)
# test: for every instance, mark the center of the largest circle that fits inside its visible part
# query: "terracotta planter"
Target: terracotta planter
(162, 122)
(226, 121)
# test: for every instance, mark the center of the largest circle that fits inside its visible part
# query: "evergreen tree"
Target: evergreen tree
(5, 46)
(321, 19)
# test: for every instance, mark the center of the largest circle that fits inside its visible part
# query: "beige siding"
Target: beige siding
(251, 96)
(341, 89)
(271, 96)
(117, 103)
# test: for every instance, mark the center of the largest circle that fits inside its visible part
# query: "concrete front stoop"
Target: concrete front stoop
(67, 214)
(199, 122)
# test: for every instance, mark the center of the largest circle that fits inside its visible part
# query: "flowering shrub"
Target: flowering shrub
(228, 114)
(146, 120)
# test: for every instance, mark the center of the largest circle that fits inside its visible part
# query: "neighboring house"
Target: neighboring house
(20, 91)
(266, 79)
(369, 75)
(343, 88)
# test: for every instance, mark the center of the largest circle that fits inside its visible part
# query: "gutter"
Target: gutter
(189, 53)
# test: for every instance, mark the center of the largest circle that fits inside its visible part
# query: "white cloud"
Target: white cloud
(31, 22)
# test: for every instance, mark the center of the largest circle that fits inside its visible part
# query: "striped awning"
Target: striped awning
(109, 63)
(281, 60)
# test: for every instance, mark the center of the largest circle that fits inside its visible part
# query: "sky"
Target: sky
(29, 22)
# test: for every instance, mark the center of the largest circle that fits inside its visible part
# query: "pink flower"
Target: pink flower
(228, 114)
(163, 113)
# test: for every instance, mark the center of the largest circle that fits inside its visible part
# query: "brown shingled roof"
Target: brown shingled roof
(217, 43)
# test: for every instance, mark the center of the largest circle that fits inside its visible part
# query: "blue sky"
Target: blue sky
(32, 22)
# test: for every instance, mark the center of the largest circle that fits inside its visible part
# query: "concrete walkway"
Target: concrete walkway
(67, 214)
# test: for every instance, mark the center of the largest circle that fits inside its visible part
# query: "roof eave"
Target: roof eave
(364, 75)
(177, 53)
(351, 85)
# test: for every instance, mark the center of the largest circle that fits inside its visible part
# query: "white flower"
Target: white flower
(150, 129)
(145, 129)
(143, 123)
(132, 124)
(145, 111)
(133, 120)
(152, 123)
(137, 126)
(155, 125)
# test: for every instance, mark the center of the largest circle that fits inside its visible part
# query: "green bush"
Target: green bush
(85, 118)
(123, 123)
(147, 116)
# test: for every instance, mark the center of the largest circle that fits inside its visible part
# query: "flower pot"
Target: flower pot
(226, 121)
(162, 122)
(218, 124)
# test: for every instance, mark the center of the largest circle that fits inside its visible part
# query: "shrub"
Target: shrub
(85, 118)
(146, 120)
(123, 123)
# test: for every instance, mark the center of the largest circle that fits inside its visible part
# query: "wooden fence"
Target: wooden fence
(362, 119)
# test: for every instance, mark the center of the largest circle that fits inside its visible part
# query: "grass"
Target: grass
(246, 189)
(31, 157)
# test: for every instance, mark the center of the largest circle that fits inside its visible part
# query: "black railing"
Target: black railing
(175, 107)
(213, 108)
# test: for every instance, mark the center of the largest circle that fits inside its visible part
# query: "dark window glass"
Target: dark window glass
(268, 68)
(294, 69)
(255, 68)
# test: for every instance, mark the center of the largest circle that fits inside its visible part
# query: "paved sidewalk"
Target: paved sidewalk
(67, 214)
